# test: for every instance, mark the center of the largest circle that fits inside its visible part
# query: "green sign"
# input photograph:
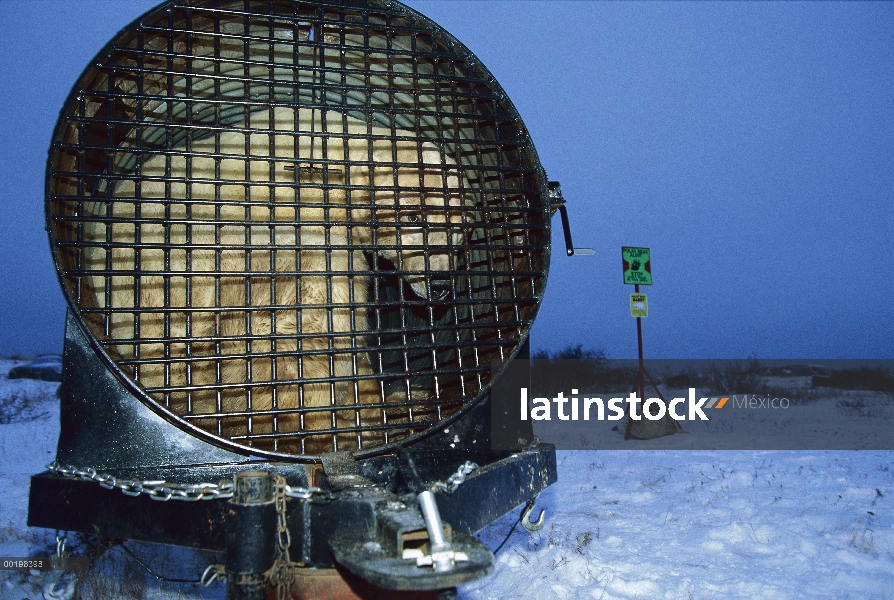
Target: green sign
(637, 268)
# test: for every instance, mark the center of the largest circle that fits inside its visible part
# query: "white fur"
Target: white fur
(213, 248)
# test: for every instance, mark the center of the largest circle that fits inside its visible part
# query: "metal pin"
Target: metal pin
(310, 170)
(440, 549)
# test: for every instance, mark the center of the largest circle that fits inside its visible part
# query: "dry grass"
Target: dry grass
(21, 407)
(112, 576)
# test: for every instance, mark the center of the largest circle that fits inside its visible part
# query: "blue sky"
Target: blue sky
(749, 145)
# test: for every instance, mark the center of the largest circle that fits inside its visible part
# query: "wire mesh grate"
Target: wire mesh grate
(297, 227)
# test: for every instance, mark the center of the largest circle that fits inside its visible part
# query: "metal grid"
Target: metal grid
(297, 227)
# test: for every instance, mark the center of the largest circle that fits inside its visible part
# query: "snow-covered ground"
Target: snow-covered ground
(620, 524)
(29, 428)
(706, 524)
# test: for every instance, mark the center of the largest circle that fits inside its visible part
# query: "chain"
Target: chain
(457, 479)
(282, 574)
(157, 490)
(162, 490)
(211, 573)
(190, 492)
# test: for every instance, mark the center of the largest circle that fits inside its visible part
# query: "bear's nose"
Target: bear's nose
(440, 288)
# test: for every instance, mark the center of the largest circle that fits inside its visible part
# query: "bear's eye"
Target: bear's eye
(412, 218)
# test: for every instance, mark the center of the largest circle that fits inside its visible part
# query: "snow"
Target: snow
(620, 524)
(704, 524)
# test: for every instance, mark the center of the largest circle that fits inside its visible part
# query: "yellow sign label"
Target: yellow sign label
(639, 305)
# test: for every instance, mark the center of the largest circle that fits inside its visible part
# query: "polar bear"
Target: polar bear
(236, 274)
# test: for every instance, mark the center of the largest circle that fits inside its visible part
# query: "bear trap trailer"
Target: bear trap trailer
(299, 242)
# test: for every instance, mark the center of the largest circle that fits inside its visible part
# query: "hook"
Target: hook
(60, 544)
(536, 525)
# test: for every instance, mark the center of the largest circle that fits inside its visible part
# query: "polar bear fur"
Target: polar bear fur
(204, 369)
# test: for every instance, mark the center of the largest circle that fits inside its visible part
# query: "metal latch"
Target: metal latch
(556, 201)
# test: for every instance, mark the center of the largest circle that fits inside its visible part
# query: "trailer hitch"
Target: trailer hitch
(397, 545)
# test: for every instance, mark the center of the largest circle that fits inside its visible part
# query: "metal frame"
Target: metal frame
(355, 506)
(293, 233)
(124, 216)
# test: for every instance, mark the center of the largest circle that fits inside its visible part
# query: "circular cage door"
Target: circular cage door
(293, 228)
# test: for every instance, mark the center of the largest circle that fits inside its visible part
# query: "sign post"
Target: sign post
(638, 271)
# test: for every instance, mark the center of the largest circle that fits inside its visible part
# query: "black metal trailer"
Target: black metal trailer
(336, 202)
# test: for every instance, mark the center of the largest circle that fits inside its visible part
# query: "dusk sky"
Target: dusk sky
(749, 145)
